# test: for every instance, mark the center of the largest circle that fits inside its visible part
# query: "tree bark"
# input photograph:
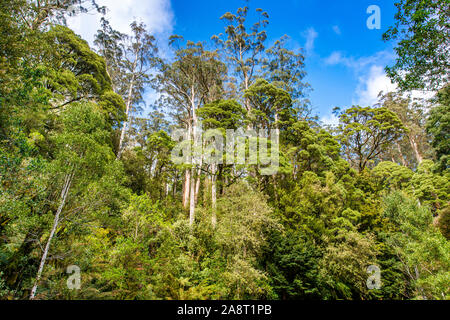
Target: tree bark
(197, 183)
(401, 156)
(129, 101)
(213, 196)
(186, 187)
(194, 158)
(415, 148)
(192, 201)
(64, 193)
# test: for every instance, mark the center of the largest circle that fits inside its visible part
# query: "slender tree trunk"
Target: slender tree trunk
(64, 193)
(197, 184)
(167, 188)
(186, 187)
(194, 158)
(187, 175)
(125, 125)
(175, 184)
(213, 195)
(415, 148)
(192, 201)
(401, 155)
(129, 102)
(274, 176)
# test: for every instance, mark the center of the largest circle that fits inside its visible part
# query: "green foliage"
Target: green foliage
(444, 222)
(392, 175)
(343, 266)
(366, 132)
(307, 231)
(430, 188)
(438, 126)
(422, 250)
(292, 263)
(223, 114)
(422, 31)
(271, 106)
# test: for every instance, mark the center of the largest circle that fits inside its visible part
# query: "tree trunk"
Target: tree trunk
(64, 193)
(125, 125)
(401, 155)
(192, 201)
(167, 188)
(186, 187)
(129, 101)
(194, 158)
(213, 195)
(197, 184)
(174, 186)
(415, 148)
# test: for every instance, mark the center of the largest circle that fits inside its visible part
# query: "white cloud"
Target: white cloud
(370, 74)
(376, 81)
(336, 30)
(370, 85)
(330, 119)
(156, 14)
(358, 64)
(311, 35)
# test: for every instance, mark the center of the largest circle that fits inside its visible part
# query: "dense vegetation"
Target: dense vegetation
(84, 181)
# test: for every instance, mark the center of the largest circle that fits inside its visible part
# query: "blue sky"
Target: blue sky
(344, 59)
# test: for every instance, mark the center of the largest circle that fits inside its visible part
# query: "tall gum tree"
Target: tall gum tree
(139, 59)
(193, 79)
(243, 45)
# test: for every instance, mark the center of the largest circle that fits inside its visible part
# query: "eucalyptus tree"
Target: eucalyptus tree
(193, 79)
(366, 132)
(110, 45)
(73, 72)
(438, 125)
(41, 13)
(220, 115)
(285, 69)
(244, 45)
(139, 57)
(413, 116)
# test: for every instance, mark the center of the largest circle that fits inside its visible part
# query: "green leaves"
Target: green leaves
(423, 251)
(438, 126)
(422, 30)
(270, 105)
(83, 142)
(366, 132)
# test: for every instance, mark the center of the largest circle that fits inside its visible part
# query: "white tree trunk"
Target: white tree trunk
(401, 156)
(187, 187)
(187, 175)
(129, 102)
(213, 195)
(415, 148)
(197, 184)
(194, 158)
(192, 200)
(64, 193)
(125, 125)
